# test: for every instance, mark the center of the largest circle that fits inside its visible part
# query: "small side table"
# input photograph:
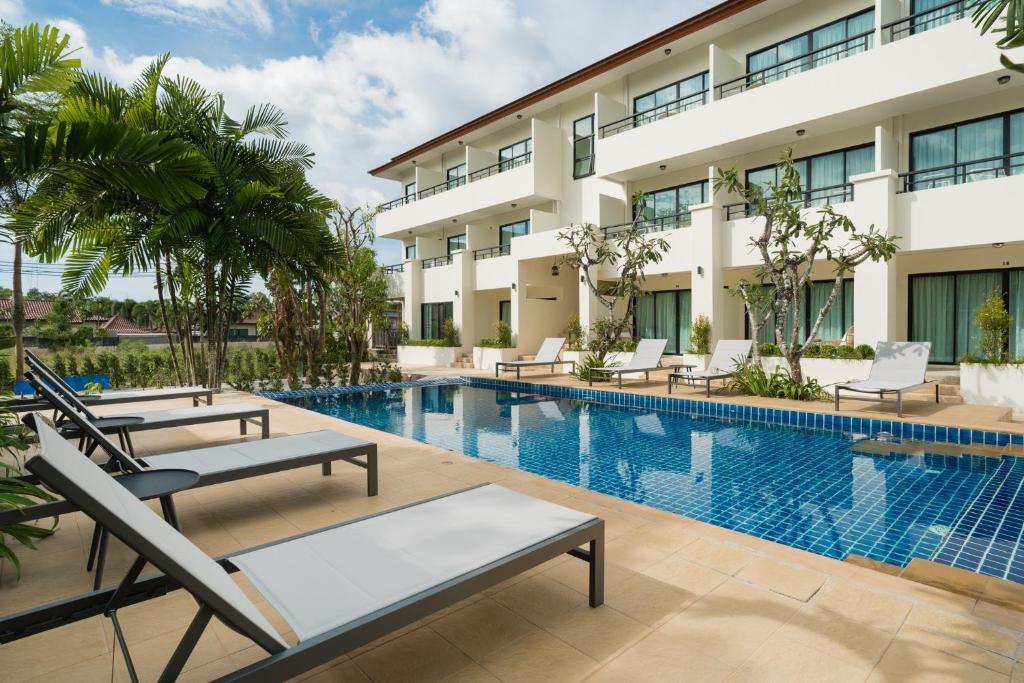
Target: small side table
(675, 367)
(146, 485)
(120, 425)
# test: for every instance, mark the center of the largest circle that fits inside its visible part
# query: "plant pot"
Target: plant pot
(992, 385)
(827, 371)
(427, 356)
(484, 357)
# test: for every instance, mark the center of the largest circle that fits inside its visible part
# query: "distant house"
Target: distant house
(114, 329)
(243, 329)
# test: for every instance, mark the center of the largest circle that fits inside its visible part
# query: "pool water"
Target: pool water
(802, 487)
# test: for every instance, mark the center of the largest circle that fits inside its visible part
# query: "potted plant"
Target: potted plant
(497, 349)
(991, 376)
(439, 353)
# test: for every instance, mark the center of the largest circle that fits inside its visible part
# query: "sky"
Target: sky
(359, 80)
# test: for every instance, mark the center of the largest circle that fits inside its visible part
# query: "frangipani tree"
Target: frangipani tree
(790, 246)
(630, 250)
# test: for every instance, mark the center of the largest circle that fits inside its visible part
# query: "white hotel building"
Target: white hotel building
(899, 111)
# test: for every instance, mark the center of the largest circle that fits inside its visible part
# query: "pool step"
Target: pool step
(908, 447)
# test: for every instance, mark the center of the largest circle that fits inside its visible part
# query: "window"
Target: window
(981, 149)
(238, 332)
(432, 320)
(456, 176)
(583, 147)
(515, 155)
(829, 43)
(507, 232)
(943, 306)
(823, 177)
(670, 208)
(665, 315)
(505, 312)
(671, 98)
(410, 252)
(456, 243)
(931, 20)
(833, 327)
(410, 192)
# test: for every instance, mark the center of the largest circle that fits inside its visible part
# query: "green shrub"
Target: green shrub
(575, 336)
(865, 351)
(624, 346)
(847, 353)
(589, 362)
(383, 372)
(429, 342)
(770, 350)
(6, 376)
(752, 379)
(700, 336)
(502, 337)
(993, 321)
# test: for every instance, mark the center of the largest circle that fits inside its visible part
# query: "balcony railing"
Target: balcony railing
(492, 252)
(642, 118)
(964, 172)
(500, 167)
(649, 225)
(833, 194)
(920, 22)
(396, 268)
(805, 62)
(437, 261)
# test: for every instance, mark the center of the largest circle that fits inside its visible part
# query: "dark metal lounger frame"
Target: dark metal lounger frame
(257, 415)
(675, 378)
(879, 395)
(620, 372)
(47, 373)
(325, 647)
(520, 364)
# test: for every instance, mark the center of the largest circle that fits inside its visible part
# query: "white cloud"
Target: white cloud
(223, 13)
(371, 94)
(12, 11)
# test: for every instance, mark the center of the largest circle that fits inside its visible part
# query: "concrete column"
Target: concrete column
(887, 151)
(875, 317)
(723, 68)
(412, 284)
(463, 303)
(886, 11)
(707, 277)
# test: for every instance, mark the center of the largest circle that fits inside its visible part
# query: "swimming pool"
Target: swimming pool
(807, 488)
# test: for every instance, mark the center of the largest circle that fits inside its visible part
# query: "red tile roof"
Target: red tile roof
(35, 309)
(119, 326)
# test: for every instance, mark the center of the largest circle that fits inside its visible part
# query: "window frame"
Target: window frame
(654, 292)
(705, 75)
(704, 194)
(806, 306)
(576, 138)
(502, 304)
(806, 34)
(459, 179)
(501, 230)
(507, 164)
(411, 186)
(440, 327)
(1004, 283)
(448, 243)
(408, 256)
(805, 182)
(954, 126)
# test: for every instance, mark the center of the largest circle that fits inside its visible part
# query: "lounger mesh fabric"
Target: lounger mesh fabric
(723, 360)
(548, 353)
(332, 578)
(899, 363)
(119, 396)
(252, 453)
(647, 355)
(128, 518)
(179, 414)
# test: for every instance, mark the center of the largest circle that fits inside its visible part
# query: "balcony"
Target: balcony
(859, 88)
(651, 115)
(644, 227)
(924, 21)
(834, 194)
(493, 267)
(526, 180)
(962, 173)
(437, 262)
(492, 252)
(960, 206)
(815, 59)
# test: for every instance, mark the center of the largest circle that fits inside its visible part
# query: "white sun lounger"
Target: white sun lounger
(898, 367)
(124, 424)
(728, 352)
(116, 397)
(338, 588)
(548, 354)
(647, 357)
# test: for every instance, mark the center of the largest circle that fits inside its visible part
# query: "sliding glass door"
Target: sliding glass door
(432, 319)
(943, 307)
(833, 328)
(665, 315)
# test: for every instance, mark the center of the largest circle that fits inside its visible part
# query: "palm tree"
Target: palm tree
(246, 207)
(988, 16)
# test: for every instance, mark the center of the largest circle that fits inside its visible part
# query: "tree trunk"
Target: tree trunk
(167, 328)
(212, 362)
(356, 347)
(18, 315)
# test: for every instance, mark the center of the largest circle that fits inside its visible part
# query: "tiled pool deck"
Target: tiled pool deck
(685, 600)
